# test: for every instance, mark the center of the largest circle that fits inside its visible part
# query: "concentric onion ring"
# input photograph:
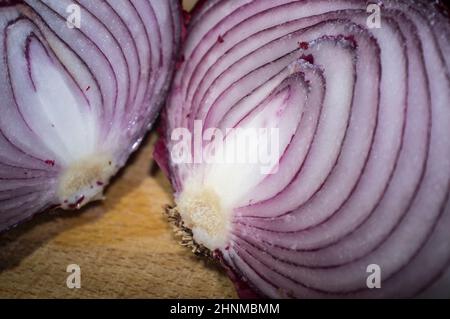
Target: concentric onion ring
(364, 172)
(76, 97)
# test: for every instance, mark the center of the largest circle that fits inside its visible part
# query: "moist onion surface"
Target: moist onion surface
(363, 116)
(80, 84)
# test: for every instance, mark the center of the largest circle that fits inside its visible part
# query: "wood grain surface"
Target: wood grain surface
(124, 246)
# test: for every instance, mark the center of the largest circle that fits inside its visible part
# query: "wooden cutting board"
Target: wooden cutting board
(124, 247)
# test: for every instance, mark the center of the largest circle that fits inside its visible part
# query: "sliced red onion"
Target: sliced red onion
(363, 175)
(80, 84)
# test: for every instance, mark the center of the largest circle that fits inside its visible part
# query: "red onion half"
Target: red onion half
(80, 84)
(362, 180)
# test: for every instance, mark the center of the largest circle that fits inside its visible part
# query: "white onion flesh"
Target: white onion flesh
(365, 168)
(76, 101)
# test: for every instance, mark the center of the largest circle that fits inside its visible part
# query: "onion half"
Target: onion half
(364, 123)
(80, 84)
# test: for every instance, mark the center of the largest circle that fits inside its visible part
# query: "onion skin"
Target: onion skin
(81, 82)
(364, 179)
